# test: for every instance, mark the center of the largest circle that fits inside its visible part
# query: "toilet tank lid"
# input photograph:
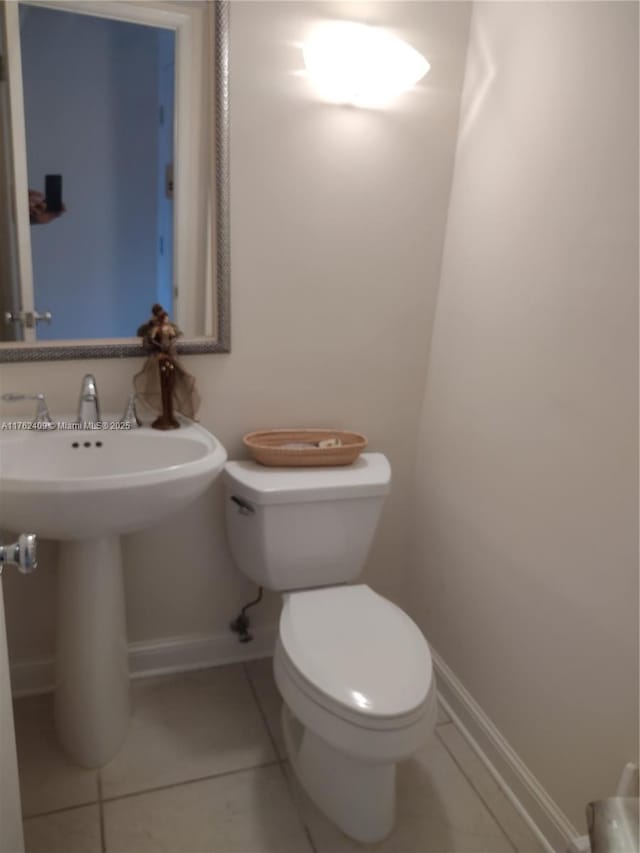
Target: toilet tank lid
(368, 476)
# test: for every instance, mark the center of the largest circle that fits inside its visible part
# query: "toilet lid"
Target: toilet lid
(357, 648)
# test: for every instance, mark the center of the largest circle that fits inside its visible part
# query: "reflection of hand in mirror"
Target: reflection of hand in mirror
(38, 213)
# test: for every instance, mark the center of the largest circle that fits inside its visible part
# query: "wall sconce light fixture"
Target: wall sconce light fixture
(357, 64)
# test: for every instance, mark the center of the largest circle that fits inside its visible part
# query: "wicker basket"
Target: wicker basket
(269, 447)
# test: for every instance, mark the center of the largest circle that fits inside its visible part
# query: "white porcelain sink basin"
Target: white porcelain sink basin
(68, 484)
(86, 488)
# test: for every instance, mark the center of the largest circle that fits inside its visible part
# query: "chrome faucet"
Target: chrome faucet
(88, 406)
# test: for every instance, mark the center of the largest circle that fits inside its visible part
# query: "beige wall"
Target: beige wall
(523, 567)
(337, 225)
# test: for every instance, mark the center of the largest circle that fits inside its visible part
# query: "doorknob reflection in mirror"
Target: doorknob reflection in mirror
(28, 319)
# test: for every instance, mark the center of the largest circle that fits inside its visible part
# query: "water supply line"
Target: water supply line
(240, 625)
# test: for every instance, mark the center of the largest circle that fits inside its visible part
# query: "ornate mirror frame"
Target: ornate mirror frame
(188, 346)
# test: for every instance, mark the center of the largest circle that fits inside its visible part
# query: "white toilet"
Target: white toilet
(353, 669)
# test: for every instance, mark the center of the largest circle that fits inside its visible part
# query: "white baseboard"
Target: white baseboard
(160, 657)
(30, 677)
(543, 816)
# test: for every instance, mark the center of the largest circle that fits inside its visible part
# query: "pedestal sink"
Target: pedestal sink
(85, 488)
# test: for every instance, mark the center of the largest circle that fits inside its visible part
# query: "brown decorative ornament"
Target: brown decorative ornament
(163, 383)
(167, 384)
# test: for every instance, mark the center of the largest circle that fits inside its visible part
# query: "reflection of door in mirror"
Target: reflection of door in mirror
(98, 107)
(103, 95)
(9, 275)
(164, 171)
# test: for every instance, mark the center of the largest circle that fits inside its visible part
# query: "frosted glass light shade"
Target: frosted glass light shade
(362, 65)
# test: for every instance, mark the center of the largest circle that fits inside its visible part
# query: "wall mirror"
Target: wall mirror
(113, 175)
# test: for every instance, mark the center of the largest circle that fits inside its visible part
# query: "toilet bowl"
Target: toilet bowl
(354, 671)
(359, 695)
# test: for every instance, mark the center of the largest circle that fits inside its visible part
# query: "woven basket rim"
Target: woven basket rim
(251, 439)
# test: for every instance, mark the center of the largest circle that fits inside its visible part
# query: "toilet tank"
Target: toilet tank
(294, 528)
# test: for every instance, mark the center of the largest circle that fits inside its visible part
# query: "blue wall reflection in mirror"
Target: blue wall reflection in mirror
(99, 110)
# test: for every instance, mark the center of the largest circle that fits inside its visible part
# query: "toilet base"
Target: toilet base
(358, 796)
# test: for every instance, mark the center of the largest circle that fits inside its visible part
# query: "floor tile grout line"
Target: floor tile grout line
(307, 832)
(458, 764)
(289, 781)
(281, 762)
(263, 716)
(105, 800)
(60, 810)
(103, 836)
(185, 782)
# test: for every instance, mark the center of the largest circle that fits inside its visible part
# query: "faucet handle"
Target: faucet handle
(130, 417)
(42, 410)
(23, 554)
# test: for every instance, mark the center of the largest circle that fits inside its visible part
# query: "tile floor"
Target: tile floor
(203, 769)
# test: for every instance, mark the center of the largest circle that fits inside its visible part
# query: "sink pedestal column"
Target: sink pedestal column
(92, 668)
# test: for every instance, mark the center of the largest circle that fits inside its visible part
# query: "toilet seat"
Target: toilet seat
(357, 655)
